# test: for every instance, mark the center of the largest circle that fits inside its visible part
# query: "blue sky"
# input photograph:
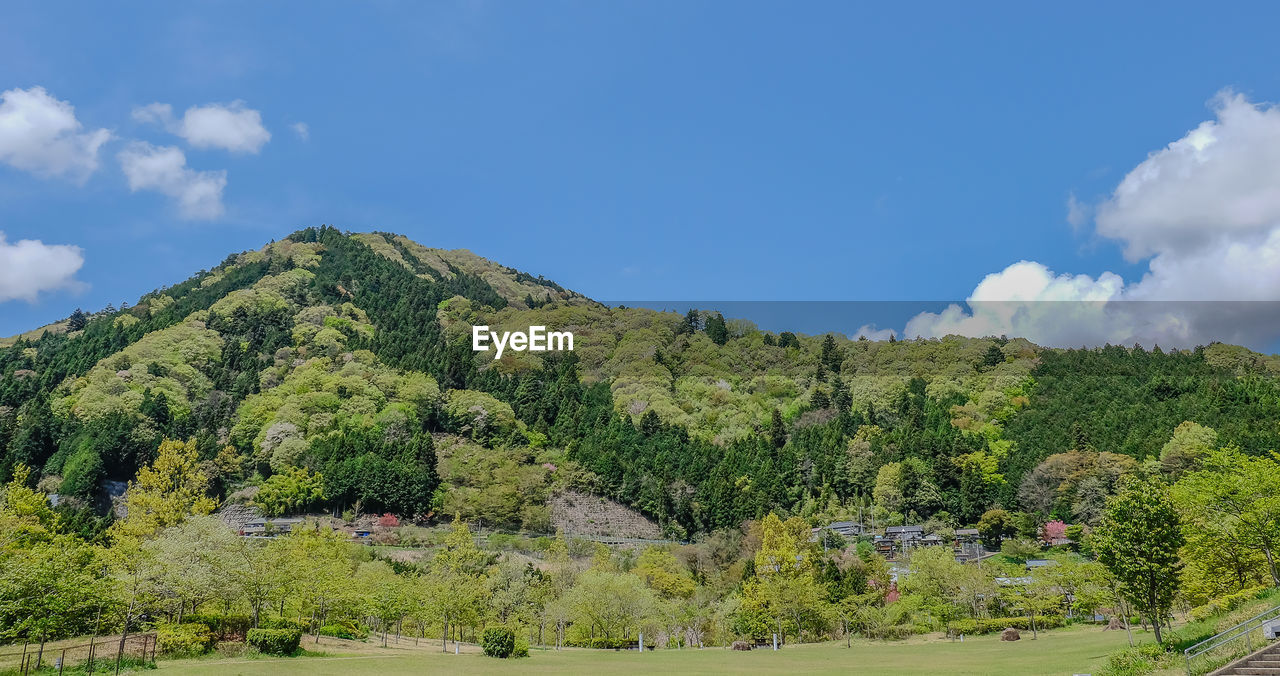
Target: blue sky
(654, 150)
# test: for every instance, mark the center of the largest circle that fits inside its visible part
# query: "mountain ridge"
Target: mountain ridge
(346, 356)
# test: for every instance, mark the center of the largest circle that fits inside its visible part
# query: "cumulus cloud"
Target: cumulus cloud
(302, 130)
(1204, 212)
(40, 134)
(30, 267)
(232, 127)
(164, 170)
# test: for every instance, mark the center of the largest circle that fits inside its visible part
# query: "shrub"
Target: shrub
(1137, 661)
(1227, 603)
(223, 626)
(498, 642)
(275, 641)
(186, 639)
(522, 646)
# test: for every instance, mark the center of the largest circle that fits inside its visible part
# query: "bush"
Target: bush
(498, 642)
(186, 639)
(522, 646)
(1137, 661)
(283, 623)
(223, 626)
(1227, 603)
(275, 641)
(991, 625)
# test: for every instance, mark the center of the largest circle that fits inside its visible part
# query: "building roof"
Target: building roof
(1040, 563)
(966, 531)
(904, 529)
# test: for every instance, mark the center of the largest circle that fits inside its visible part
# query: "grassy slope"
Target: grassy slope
(1077, 650)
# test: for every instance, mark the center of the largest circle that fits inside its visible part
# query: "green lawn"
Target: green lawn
(1067, 651)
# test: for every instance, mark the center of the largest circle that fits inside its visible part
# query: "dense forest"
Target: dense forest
(328, 369)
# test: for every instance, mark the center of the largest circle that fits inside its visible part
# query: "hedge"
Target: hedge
(275, 641)
(991, 625)
(498, 642)
(186, 639)
(223, 626)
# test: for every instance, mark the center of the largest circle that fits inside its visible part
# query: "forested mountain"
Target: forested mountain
(344, 361)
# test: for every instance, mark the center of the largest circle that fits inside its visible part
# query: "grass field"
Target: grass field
(1066, 651)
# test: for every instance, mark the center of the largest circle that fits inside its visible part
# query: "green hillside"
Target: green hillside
(349, 356)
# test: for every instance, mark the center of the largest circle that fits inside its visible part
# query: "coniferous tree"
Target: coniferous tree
(831, 357)
(777, 430)
(716, 329)
(77, 320)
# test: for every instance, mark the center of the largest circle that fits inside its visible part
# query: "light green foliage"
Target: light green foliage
(282, 293)
(300, 254)
(1233, 502)
(725, 392)
(323, 394)
(503, 486)
(166, 492)
(289, 491)
(610, 605)
(480, 415)
(176, 361)
(1138, 541)
(183, 640)
(1189, 444)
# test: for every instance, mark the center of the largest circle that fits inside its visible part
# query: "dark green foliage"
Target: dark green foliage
(831, 357)
(788, 339)
(77, 320)
(691, 323)
(361, 465)
(499, 642)
(716, 329)
(993, 356)
(275, 641)
(1129, 401)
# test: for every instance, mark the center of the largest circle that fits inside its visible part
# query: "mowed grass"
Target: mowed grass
(1065, 651)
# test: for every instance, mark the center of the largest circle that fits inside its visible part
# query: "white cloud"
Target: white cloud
(1077, 212)
(164, 169)
(41, 134)
(1220, 182)
(231, 126)
(1204, 212)
(302, 130)
(29, 267)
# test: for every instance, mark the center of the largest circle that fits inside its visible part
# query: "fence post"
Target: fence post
(40, 655)
(92, 644)
(62, 661)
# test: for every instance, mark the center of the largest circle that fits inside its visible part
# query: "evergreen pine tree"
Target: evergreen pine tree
(716, 329)
(77, 320)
